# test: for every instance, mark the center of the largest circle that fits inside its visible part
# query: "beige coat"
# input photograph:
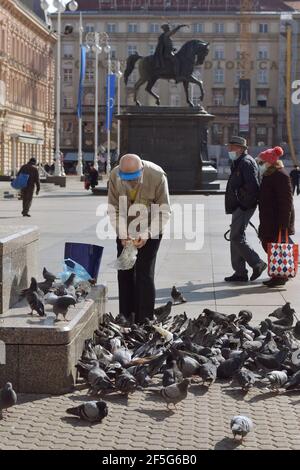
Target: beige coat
(153, 190)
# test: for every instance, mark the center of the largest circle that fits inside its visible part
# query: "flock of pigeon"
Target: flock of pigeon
(176, 351)
(61, 295)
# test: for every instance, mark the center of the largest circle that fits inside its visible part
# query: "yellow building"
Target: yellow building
(26, 87)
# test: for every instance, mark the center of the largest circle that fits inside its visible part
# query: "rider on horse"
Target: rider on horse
(165, 51)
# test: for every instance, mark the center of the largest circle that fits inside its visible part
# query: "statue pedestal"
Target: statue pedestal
(175, 139)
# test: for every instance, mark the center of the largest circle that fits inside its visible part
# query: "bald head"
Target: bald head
(130, 163)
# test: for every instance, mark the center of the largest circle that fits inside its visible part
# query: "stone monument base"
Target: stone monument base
(175, 139)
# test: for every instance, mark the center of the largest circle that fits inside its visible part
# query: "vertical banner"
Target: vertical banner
(244, 105)
(81, 80)
(110, 99)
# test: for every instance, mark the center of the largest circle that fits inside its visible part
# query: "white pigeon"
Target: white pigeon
(241, 426)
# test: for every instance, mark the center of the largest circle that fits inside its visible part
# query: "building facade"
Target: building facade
(26, 87)
(244, 44)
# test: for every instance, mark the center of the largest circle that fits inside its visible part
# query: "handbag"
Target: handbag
(283, 257)
(20, 182)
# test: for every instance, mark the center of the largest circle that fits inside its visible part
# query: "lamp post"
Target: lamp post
(58, 7)
(119, 76)
(79, 167)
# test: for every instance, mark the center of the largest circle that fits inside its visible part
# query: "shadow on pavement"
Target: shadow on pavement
(157, 415)
(226, 444)
(77, 422)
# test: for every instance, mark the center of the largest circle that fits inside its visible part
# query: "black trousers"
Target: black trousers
(27, 196)
(136, 286)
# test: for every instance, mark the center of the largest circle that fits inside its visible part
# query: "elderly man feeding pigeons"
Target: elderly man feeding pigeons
(139, 209)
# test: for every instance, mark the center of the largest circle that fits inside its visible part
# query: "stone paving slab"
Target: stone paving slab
(143, 422)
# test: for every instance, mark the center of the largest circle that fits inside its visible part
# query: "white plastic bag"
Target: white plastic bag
(127, 258)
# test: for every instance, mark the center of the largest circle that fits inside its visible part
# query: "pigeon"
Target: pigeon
(187, 365)
(45, 286)
(70, 281)
(284, 314)
(246, 379)
(8, 398)
(62, 305)
(241, 426)
(208, 373)
(294, 382)
(296, 330)
(92, 411)
(174, 393)
(277, 379)
(163, 312)
(171, 374)
(35, 298)
(126, 383)
(218, 318)
(228, 368)
(167, 335)
(122, 355)
(48, 276)
(99, 380)
(244, 317)
(177, 296)
(271, 361)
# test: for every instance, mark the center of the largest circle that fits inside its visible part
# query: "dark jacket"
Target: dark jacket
(243, 185)
(34, 178)
(295, 177)
(276, 209)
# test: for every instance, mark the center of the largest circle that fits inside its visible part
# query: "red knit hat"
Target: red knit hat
(271, 155)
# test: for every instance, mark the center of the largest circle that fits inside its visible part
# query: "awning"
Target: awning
(73, 157)
(28, 139)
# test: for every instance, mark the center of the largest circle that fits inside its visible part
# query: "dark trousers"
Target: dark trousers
(27, 196)
(136, 286)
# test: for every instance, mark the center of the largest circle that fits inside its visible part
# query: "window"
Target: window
(219, 53)
(154, 28)
(131, 49)
(68, 101)
(219, 28)
(151, 49)
(198, 28)
(263, 77)
(217, 129)
(242, 28)
(263, 28)
(89, 99)
(261, 130)
(90, 74)
(263, 53)
(218, 76)
(111, 28)
(89, 28)
(113, 53)
(68, 51)
(132, 28)
(218, 99)
(68, 75)
(68, 126)
(262, 100)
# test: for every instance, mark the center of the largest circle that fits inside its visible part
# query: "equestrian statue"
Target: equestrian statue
(168, 64)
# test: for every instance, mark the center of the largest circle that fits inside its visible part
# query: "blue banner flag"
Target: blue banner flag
(110, 99)
(81, 80)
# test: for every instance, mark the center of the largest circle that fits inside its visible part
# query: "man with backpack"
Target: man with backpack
(33, 180)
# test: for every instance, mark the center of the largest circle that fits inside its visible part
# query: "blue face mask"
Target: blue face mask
(233, 156)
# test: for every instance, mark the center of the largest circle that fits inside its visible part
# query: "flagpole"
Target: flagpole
(79, 164)
(108, 166)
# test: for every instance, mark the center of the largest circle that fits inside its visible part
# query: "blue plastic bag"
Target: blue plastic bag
(71, 267)
(20, 182)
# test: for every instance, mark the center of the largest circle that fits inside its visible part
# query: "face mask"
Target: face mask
(262, 169)
(233, 156)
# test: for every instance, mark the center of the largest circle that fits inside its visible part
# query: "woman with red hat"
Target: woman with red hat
(276, 209)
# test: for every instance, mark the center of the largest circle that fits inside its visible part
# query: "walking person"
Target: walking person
(138, 185)
(295, 179)
(241, 201)
(33, 181)
(93, 176)
(276, 209)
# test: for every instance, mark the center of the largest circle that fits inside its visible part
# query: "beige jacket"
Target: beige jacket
(152, 195)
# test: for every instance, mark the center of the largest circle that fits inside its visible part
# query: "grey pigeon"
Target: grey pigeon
(92, 411)
(277, 379)
(163, 312)
(8, 398)
(246, 379)
(34, 297)
(294, 382)
(208, 373)
(172, 374)
(126, 383)
(45, 286)
(177, 296)
(241, 426)
(70, 281)
(244, 317)
(228, 368)
(48, 276)
(62, 305)
(174, 393)
(99, 380)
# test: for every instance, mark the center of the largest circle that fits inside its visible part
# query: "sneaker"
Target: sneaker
(258, 270)
(275, 281)
(236, 278)
(26, 215)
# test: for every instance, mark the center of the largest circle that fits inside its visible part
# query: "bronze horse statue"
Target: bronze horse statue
(192, 53)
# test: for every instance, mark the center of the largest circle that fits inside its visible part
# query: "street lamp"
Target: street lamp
(97, 42)
(49, 7)
(119, 75)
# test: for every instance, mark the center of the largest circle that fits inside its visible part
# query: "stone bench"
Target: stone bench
(41, 354)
